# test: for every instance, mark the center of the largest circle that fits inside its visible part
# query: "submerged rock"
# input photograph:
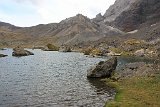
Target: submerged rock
(103, 69)
(2, 55)
(21, 52)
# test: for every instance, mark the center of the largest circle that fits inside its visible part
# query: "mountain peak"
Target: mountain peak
(79, 18)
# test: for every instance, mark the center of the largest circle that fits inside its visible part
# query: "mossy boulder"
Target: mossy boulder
(133, 42)
(103, 69)
(51, 47)
(18, 51)
(95, 51)
(65, 49)
(87, 51)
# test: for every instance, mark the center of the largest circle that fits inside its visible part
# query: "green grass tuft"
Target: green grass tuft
(136, 92)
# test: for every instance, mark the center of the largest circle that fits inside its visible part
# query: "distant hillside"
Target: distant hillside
(130, 18)
(71, 31)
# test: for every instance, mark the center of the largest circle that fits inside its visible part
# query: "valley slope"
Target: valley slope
(125, 19)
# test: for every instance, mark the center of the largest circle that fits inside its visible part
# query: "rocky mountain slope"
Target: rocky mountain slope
(129, 15)
(71, 31)
(124, 19)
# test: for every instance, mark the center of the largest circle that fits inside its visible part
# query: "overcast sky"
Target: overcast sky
(33, 12)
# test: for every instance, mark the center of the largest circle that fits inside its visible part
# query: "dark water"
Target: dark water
(50, 79)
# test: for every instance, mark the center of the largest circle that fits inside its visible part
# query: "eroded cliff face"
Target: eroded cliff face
(129, 15)
(116, 9)
(141, 13)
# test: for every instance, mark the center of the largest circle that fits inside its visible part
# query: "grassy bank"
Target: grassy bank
(137, 92)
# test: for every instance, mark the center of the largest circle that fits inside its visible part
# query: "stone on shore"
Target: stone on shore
(136, 69)
(21, 52)
(103, 69)
(2, 55)
(140, 53)
(50, 47)
(65, 49)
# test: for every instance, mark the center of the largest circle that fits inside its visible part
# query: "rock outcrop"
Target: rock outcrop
(98, 18)
(21, 52)
(65, 49)
(103, 69)
(134, 15)
(116, 9)
(50, 47)
(136, 69)
(140, 53)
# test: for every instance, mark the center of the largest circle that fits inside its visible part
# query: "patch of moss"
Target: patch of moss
(125, 53)
(87, 51)
(92, 51)
(133, 42)
(116, 50)
(96, 52)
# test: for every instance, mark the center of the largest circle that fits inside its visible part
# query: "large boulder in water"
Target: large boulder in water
(103, 69)
(21, 52)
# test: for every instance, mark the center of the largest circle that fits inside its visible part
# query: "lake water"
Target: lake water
(53, 79)
(50, 79)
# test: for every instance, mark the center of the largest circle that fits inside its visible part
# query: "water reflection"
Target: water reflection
(99, 85)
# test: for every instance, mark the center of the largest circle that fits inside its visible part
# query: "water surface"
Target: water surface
(50, 79)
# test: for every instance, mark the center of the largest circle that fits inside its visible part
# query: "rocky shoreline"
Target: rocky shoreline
(108, 68)
(128, 71)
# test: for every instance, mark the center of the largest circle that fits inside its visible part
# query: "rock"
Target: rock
(39, 47)
(140, 53)
(65, 49)
(103, 69)
(21, 52)
(136, 69)
(2, 49)
(113, 54)
(2, 55)
(134, 66)
(50, 47)
(98, 18)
